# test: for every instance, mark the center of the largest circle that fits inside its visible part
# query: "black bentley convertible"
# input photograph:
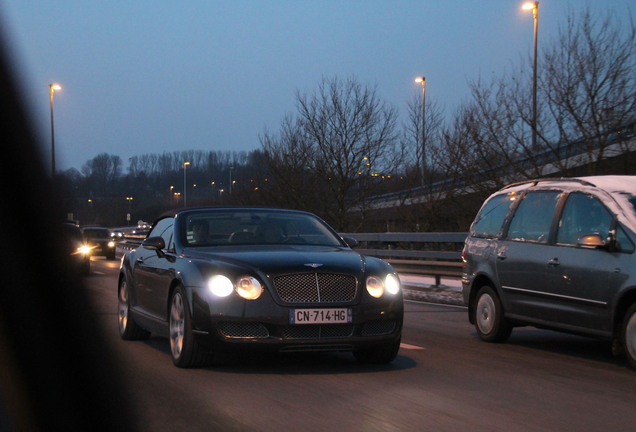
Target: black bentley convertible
(222, 280)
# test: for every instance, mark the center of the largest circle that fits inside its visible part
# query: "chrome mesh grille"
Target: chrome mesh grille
(316, 287)
(243, 330)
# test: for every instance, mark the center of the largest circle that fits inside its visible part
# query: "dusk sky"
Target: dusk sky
(146, 76)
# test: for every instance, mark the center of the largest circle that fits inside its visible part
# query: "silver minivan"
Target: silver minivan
(557, 254)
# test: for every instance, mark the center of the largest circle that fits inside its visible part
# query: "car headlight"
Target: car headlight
(247, 287)
(376, 286)
(84, 249)
(220, 286)
(111, 244)
(392, 284)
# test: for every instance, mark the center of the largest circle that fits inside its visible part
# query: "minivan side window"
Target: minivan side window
(533, 218)
(583, 214)
(491, 217)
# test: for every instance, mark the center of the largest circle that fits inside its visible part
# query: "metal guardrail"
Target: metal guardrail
(428, 254)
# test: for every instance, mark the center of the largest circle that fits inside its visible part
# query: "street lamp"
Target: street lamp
(185, 187)
(231, 183)
(129, 199)
(422, 81)
(534, 6)
(52, 89)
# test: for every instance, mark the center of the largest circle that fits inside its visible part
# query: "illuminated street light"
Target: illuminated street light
(185, 186)
(52, 89)
(231, 183)
(422, 82)
(534, 6)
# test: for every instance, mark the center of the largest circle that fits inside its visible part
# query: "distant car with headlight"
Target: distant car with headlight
(216, 281)
(78, 251)
(101, 240)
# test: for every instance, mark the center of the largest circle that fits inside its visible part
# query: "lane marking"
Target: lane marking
(411, 347)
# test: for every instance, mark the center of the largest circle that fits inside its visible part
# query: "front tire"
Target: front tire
(128, 328)
(490, 322)
(185, 349)
(628, 335)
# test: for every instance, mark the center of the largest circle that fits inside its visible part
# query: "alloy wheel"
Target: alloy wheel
(177, 325)
(123, 307)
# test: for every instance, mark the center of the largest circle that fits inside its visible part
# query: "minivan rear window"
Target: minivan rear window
(490, 218)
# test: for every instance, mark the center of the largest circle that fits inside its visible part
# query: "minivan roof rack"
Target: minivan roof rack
(550, 179)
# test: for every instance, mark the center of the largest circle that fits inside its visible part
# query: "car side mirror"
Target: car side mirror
(154, 243)
(351, 242)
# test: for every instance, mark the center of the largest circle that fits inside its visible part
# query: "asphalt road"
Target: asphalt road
(444, 379)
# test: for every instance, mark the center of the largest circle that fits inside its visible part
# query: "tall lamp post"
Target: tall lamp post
(185, 186)
(52, 89)
(534, 6)
(129, 199)
(422, 81)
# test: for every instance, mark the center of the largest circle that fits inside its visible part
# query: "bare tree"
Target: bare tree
(587, 97)
(341, 138)
(422, 168)
(590, 89)
(421, 144)
(102, 170)
(290, 166)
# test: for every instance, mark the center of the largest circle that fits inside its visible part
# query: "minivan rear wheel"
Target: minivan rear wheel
(490, 322)
(628, 334)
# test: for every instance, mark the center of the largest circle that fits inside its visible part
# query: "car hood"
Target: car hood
(283, 258)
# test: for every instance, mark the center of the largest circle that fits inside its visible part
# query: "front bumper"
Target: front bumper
(263, 324)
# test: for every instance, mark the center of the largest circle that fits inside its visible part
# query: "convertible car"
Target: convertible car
(218, 281)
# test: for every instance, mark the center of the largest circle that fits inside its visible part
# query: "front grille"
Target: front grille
(316, 287)
(317, 331)
(243, 330)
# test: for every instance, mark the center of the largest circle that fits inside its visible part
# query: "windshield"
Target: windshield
(235, 227)
(92, 233)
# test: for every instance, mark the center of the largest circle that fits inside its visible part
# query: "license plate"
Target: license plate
(320, 316)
